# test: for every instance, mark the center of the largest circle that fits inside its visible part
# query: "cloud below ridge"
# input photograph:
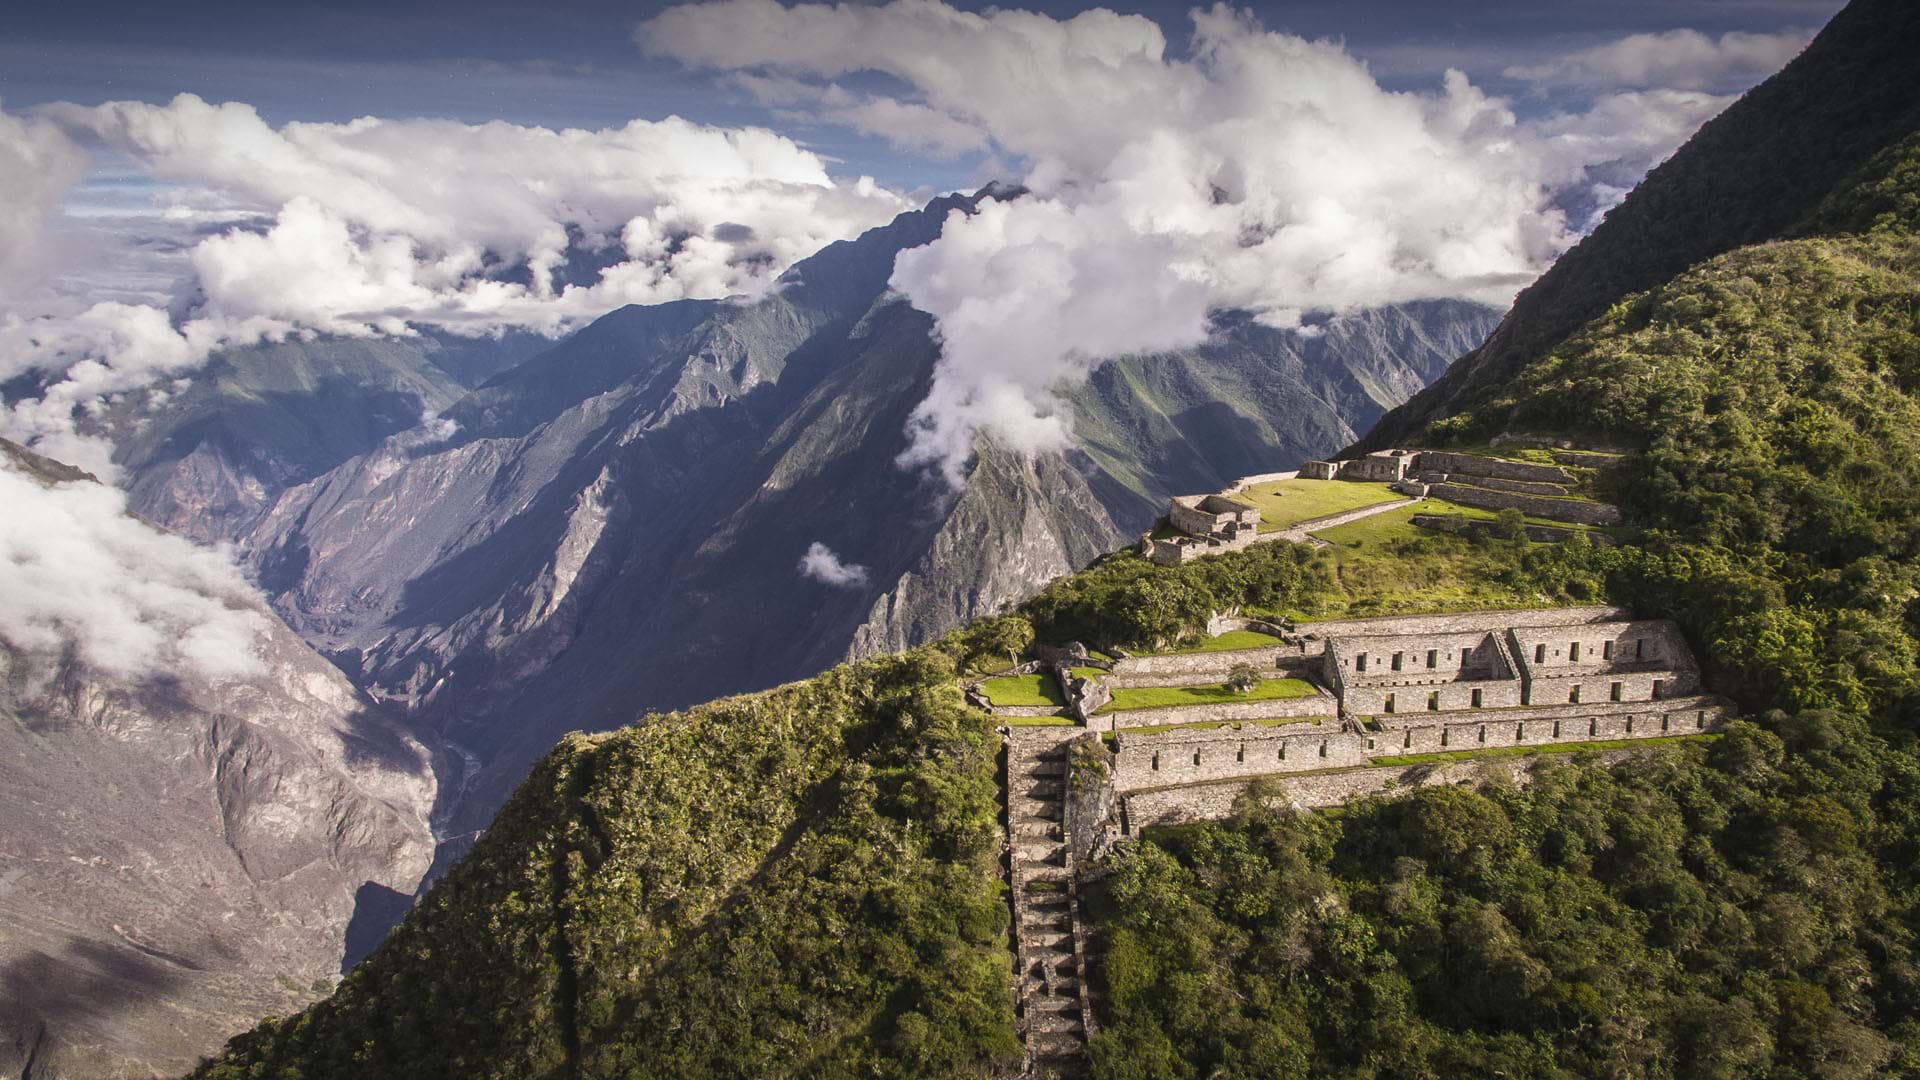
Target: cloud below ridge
(78, 572)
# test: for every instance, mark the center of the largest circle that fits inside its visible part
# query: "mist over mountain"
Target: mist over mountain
(190, 838)
(618, 523)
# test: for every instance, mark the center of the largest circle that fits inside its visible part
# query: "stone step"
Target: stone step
(1044, 900)
(1056, 1044)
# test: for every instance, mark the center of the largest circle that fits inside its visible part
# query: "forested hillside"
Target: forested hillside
(1747, 909)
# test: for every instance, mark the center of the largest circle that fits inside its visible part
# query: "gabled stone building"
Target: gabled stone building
(1207, 524)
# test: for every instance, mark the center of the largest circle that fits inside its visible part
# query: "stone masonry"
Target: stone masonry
(1208, 525)
(1049, 940)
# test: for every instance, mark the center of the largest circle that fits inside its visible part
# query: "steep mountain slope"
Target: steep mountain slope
(1748, 908)
(181, 853)
(617, 525)
(208, 457)
(1749, 175)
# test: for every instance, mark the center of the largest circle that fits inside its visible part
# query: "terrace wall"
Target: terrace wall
(1206, 802)
(1319, 704)
(1578, 511)
(1474, 465)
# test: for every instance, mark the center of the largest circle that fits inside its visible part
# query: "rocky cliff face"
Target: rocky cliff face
(617, 524)
(207, 454)
(181, 853)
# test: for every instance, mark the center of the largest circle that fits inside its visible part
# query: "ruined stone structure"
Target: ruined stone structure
(1386, 690)
(1487, 483)
(1208, 525)
(1403, 686)
(1054, 1015)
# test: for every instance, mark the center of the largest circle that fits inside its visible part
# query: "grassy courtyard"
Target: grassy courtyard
(1024, 690)
(1160, 697)
(1287, 503)
(1230, 641)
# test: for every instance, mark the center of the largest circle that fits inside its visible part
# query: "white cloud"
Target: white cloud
(38, 165)
(377, 226)
(1674, 60)
(1261, 171)
(77, 572)
(822, 565)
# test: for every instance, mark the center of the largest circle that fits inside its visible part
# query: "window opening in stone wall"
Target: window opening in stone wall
(1520, 732)
(1539, 654)
(1700, 719)
(1283, 751)
(1639, 648)
(1606, 650)
(1483, 733)
(1323, 748)
(1573, 652)
(1389, 702)
(1593, 728)
(1360, 662)
(1657, 685)
(1433, 702)
(1433, 658)
(1406, 741)
(1476, 699)
(1241, 755)
(1396, 661)
(1556, 729)
(1196, 757)
(1443, 736)
(1573, 695)
(1666, 722)
(1616, 691)
(1629, 724)
(1156, 762)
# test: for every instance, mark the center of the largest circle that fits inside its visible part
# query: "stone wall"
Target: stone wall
(1577, 511)
(1210, 802)
(1267, 657)
(1197, 755)
(1318, 470)
(1461, 621)
(1319, 704)
(1246, 482)
(1474, 465)
(1386, 465)
(1289, 666)
(1423, 698)
(1495, 483)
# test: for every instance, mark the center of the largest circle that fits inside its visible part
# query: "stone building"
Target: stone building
(1207, 524)
(1403, 686)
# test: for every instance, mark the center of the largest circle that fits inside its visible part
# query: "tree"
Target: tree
(1242, 678)
(1510, 524)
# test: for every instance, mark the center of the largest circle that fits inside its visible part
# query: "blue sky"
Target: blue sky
(575, 64)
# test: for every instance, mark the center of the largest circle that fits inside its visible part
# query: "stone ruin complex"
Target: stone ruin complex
(1383, 690)
(1207, 525)
(1488, 483)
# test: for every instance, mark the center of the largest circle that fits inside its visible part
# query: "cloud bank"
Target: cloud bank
(1259, 171)
(1674, 60)
(78, 573)
(822, 565)
(377, 226)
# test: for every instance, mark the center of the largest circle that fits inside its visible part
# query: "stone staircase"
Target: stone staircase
(1049, 944)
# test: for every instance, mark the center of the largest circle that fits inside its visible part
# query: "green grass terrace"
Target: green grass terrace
(1161, 697)
(1231, 641)
(1287, 503)
(1024, 690)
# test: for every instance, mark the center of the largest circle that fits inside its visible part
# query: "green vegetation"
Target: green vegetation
(1089, 672)
(1745, 906)
(1286, 503)
(1160, 697)
(1231, 641)
(1031, 690)
(800, 881)
(1060, 720)
(1594, 747)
